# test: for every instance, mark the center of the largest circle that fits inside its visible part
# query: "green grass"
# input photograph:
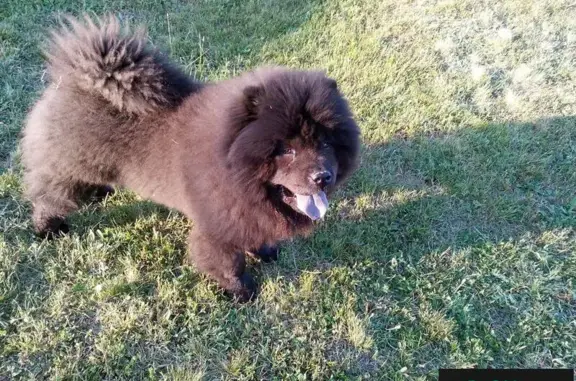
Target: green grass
(453, 246)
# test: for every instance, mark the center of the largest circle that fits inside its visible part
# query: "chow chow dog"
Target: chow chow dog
(251, 160)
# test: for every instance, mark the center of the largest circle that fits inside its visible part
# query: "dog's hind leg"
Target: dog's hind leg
(224, 264)
(52, 201)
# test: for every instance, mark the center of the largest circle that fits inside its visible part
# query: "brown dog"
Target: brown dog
(250, 160)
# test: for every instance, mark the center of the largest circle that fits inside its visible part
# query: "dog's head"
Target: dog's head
(297, 137)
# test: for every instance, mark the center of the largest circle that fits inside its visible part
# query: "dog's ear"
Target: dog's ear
(251, 146)
(244, 147)
(253, 96)
(249, 154)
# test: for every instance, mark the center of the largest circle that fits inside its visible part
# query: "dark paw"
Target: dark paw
(52, 228)
(267, 253)
(102, 192)
(243, 289)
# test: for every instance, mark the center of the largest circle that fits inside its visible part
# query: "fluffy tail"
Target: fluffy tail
(118, 65)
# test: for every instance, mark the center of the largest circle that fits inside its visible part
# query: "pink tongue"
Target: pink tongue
(314, 206)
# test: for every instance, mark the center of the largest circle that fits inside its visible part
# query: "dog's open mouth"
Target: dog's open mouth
(314, 206)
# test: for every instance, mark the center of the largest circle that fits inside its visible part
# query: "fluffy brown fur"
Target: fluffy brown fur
(229, 155)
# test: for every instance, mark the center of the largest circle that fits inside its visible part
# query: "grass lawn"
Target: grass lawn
(453, 246)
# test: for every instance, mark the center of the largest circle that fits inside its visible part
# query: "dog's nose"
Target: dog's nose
(322, 178)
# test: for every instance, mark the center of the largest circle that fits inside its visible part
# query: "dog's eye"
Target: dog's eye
(324, 145)
(288, 151)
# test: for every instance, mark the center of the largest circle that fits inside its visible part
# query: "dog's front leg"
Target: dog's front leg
(224, 264)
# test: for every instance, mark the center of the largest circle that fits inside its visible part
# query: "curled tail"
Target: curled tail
(103, 59)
